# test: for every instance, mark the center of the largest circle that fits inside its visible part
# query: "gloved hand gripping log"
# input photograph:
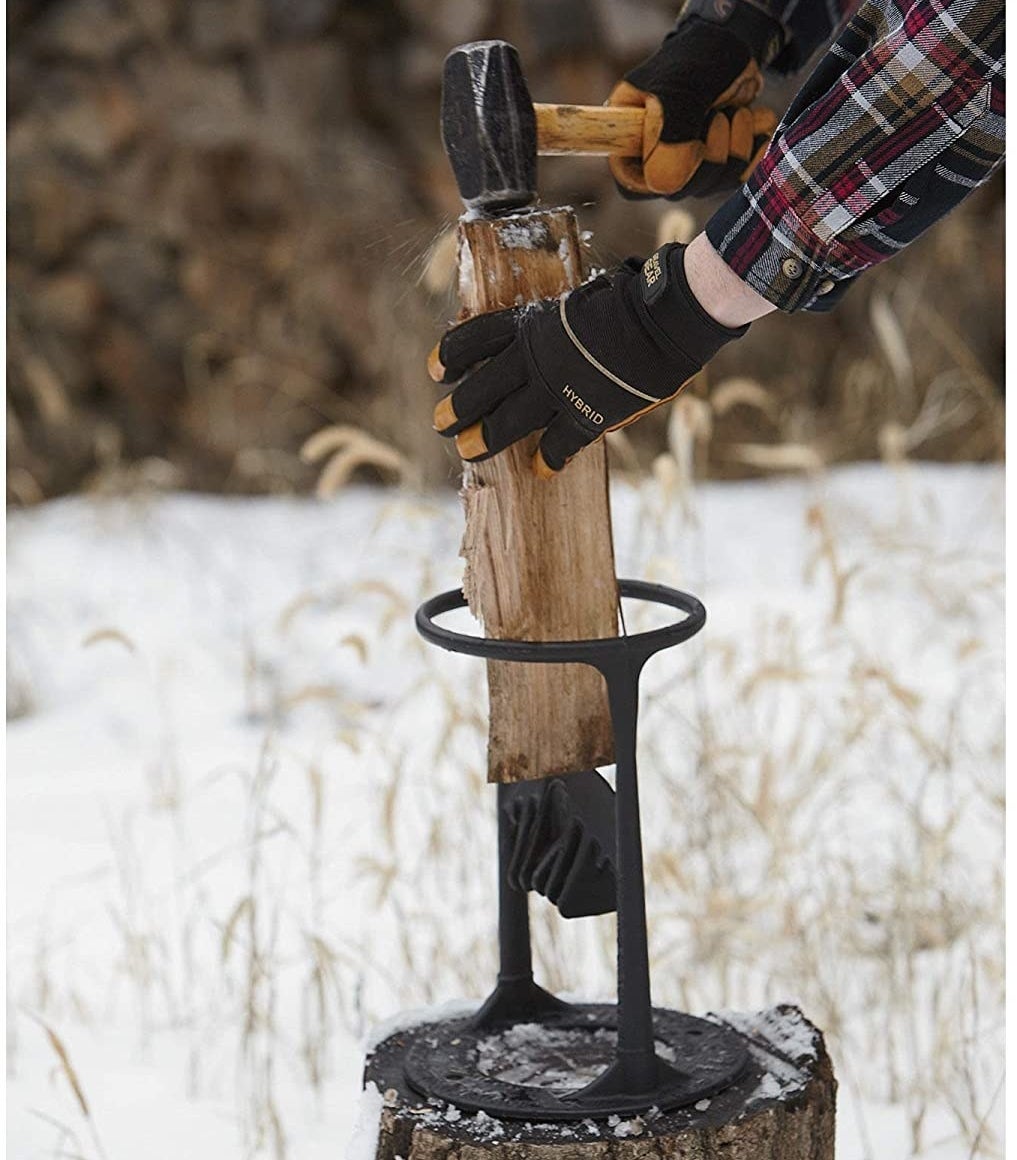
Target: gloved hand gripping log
(533, 390)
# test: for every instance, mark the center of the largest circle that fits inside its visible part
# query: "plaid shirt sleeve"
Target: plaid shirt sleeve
(900, 120)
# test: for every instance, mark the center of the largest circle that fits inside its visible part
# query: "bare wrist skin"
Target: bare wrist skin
(719, 290)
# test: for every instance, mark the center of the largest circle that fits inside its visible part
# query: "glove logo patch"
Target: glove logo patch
(580, 405)
(654, 278)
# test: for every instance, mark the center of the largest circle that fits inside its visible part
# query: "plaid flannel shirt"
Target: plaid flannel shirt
(901, 119)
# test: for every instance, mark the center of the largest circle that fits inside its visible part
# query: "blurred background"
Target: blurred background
(247, 809)
(229, 227)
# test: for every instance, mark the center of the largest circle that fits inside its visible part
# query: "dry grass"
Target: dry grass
(771, 751)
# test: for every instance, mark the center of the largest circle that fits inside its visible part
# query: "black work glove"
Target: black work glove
(701, 133)
(579, 366)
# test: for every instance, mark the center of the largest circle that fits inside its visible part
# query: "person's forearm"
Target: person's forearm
(719, 290)
(871, 151)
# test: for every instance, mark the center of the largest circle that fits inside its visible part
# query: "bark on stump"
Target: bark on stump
(539, 556)
(782, 1108)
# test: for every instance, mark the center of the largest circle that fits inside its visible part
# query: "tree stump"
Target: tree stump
(782, 1108)
(539, 556)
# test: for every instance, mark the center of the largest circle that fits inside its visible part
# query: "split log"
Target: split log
(539, 556)
(783, 1107)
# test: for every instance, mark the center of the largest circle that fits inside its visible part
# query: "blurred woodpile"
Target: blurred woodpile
(226, 224)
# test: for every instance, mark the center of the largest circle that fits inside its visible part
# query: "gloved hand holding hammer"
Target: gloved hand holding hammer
(701, 133)
(900, 120)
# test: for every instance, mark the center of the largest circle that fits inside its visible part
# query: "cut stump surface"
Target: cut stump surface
(782, 1108)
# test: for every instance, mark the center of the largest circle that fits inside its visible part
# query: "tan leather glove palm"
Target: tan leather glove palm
(702, 134)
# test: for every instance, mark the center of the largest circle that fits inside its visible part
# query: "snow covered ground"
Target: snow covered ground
(247, 815)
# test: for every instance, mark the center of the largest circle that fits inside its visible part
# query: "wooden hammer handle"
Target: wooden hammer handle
(596, 130)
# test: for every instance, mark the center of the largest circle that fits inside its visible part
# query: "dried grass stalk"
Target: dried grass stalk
(783, 457)
(352, 448)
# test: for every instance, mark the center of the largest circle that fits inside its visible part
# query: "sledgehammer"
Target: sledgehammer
(493, 131)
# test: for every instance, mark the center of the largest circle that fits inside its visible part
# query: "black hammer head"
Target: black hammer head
(488, 126)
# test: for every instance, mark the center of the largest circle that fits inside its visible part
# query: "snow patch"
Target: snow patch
(554, 1058)
(623, 1129)
(467, 274)
(524, 235)
(565, 257)
(364, 1143)
(418, 1017)
(152, 760)
(783, 1041)
(783, 1027)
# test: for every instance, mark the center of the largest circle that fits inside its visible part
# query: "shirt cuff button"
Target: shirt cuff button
(792, 268)
(825, 286)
